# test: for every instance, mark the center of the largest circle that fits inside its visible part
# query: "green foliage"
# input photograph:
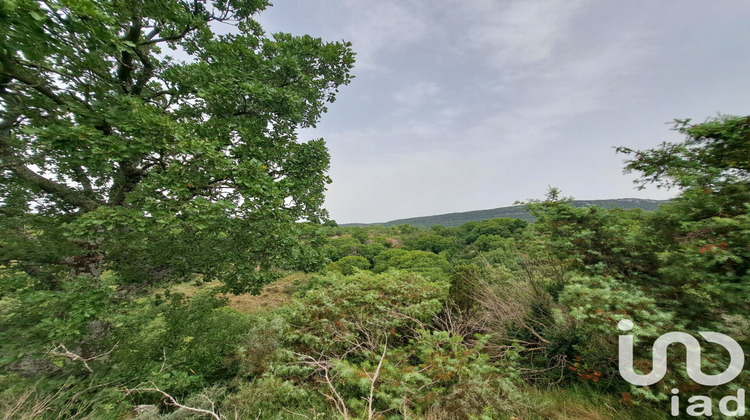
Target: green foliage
(596, 304)
(340, 247)
(373, 249)
(359, 234)
(427, 263)
(406, 229)
(486, 243)
(69, 398)
(506, 256)
(503, 228)
(264, 345)
(713, 156)
(429, 242)
(336, 311)
(181, 344)
(366, 334)
(151, 161)
(37, 245)
(681, 268)
(33, 321)
(704, 264)
(274, 397)
(356, 241)
(595, 239)
(349, 265)
(463, 285)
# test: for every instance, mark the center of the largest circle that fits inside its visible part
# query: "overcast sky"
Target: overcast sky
(474, 104)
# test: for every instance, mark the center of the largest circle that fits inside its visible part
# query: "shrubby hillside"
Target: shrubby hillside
(491, 319)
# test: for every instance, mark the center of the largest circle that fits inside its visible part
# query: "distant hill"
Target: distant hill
(514, 212)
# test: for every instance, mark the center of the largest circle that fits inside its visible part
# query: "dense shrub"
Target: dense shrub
(503, 227)
(430, 242)
(340, 247)
(423, 262)
(362, 342)
(340, 311)
(182, 344)
(349, 265)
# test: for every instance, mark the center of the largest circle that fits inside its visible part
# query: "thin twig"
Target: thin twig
(173, 402)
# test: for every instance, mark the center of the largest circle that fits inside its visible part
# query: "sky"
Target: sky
(469, 105)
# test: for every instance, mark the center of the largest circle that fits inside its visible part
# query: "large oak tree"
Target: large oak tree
(157, 166)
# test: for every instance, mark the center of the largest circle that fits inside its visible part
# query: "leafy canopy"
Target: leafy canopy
(714, 154)
(163, 166)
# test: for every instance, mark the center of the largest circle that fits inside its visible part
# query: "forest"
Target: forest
(165, 252)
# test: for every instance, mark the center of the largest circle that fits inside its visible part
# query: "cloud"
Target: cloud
(375, 27)
(415, 94)
(400, 185)
(519, 32)
(462, 105)
(565, 89)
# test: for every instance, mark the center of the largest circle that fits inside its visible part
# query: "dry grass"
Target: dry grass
(395, 243)
(582, 404)
(274, 295)
(35, 404)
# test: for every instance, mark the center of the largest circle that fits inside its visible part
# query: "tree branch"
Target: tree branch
(146, 73)
(61, 351)
(83, 179)
(175, 37)
(16, 165)
(125, 70)
(11, 70)
(173, 402)
(125, 180)
(374, 378)
(153, 32)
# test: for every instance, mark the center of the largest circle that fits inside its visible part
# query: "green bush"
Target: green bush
(340, 247)
(34, 320)
(182, 345)
(429, 242)
(486, 243)
(337, 311)
(370, 336)
(427, 263)
(372, 250)
(277, 398)
(503, 227)
(349, 265)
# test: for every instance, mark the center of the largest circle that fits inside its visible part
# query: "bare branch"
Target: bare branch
(173, 402)
(61, 351)
(325, 367)
(153, 33)
(374, 378)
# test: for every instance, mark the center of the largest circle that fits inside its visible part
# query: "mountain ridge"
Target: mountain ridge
(515, 212)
